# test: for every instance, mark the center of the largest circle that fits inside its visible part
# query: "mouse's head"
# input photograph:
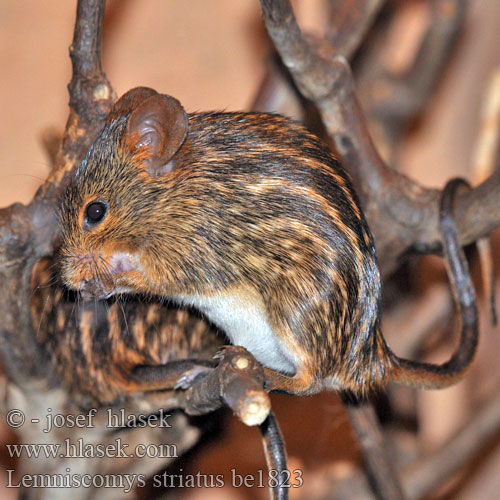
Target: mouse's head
(104, 214)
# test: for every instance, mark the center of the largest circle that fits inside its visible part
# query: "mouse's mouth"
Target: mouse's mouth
(93, 289)
(99, 277)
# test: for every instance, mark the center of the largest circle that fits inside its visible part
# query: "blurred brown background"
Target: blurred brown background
(210, 54)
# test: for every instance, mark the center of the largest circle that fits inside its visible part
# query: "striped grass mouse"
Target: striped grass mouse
(249, 218)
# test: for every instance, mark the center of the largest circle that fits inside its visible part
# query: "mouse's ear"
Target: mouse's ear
(130, 100)
(160, 123)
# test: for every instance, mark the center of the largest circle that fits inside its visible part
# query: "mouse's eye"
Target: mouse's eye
(95, 212)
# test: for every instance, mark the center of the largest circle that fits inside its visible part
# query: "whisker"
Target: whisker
(24, 175)
(127, 331)
(42, 316)
(95, 314)
(73, 314)
(105, 272)
(54, 281)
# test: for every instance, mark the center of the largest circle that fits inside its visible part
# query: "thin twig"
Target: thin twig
(275, 451)
(350, 21)
(381, 471)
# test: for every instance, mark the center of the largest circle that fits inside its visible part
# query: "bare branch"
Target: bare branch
(237, 382)
(381, 471)
(91, 95)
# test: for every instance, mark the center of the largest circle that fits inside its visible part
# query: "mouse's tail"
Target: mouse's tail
(432, 376)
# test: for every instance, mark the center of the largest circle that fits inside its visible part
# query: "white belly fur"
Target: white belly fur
(244, 322)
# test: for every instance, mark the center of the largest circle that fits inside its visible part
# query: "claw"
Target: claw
(191, 376)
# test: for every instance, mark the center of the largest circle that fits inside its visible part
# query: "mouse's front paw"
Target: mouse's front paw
(191, 376)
